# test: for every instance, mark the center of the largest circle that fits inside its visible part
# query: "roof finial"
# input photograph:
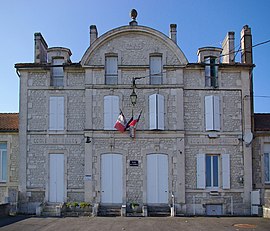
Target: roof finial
(133, 15)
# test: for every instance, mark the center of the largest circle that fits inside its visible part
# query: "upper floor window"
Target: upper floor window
(212, 113)
(111, 70)
(267, 167)
(57, 113)
(213, 171)
(57, 72)
(3, 162)
(111, 111)
(156, 69)
(211, 72)
(156, 112)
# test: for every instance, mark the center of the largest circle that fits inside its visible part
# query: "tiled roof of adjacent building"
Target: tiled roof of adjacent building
(9, 122)
(262, 121)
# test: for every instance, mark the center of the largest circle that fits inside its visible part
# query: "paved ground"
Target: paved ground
(134, 223)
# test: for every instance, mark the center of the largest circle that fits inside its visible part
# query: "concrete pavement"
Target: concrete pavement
(134, 223)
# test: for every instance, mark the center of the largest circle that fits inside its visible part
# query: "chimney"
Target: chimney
(246, 45)
(228, 52)
(40, 49)
(173, 32)
(93, 34)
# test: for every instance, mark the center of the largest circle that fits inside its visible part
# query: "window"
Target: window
(56, 114)
(211, 72)
(212, 113)
(111, 70)
(213, 171)
(3, 162)
(155, 70)
(111, 111)
(266, 168)
(58, 73)
(156, 112)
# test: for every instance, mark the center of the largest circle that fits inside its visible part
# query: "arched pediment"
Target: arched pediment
(133, 44)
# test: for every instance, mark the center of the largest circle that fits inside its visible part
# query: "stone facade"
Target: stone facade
(85, 144)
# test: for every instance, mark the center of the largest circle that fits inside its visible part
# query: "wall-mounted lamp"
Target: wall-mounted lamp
(133, 97)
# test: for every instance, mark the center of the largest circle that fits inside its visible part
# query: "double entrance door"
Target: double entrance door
(112, 178)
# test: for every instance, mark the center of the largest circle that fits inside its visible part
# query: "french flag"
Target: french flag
(121, 123)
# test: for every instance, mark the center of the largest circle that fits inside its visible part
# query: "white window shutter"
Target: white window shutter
(53, 113)
(152, 111)
(226, 171)
(160, 108)
(60, 113)
(115, 110)
(201, 171)
(111, 111)
(216, 113)
(209, 113)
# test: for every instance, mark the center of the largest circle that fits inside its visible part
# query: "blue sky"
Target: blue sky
(66, 23)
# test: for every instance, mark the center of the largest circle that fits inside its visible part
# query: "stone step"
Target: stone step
(109, 211)
(158, 211)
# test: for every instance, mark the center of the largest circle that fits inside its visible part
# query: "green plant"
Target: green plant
(84, 204)
(134, 205)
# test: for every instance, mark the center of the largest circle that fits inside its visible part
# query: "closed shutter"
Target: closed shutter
(152, 111)
(209, 113)
(201, 171)
(216, 113)
(226, 171)
(57, 114)
(111, 111)
(160, 103)
(53, 113)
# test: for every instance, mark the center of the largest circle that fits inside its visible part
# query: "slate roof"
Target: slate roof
(9, 122)
(262, 121)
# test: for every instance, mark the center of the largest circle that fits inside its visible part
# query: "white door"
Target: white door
(157, 178)
(111, 178)
(56, 187)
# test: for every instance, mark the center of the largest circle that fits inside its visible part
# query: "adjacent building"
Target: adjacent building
(191, 149)
(9, 158)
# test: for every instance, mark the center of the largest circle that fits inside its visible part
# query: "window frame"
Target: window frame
(211, 71)
(57, 80)
(214, 171)
(111, 78)
(156, 78)
(3, 162)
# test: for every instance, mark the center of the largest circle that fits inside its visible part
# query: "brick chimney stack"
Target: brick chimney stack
(246, 45)
(93, 34)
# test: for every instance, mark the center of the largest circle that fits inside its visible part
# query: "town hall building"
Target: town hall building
(190, 151)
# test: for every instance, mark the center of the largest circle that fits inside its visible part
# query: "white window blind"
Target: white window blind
(57, 114)
(155, 69)
(111, 111)
(212, 113)
(156, 112)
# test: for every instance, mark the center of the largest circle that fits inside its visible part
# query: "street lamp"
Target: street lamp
(133, 98)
